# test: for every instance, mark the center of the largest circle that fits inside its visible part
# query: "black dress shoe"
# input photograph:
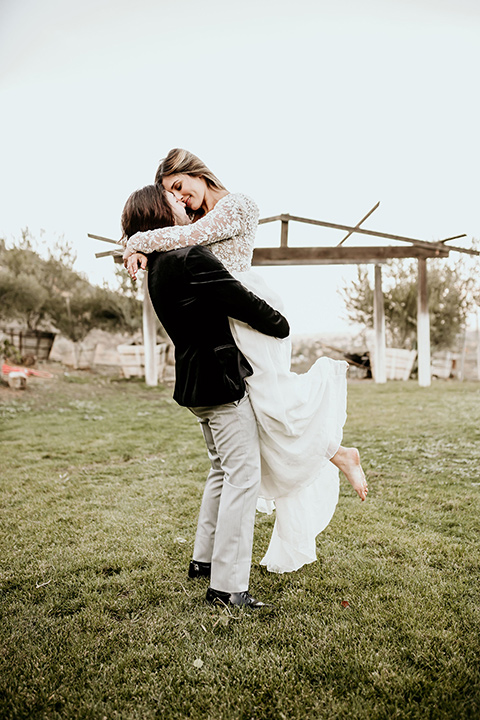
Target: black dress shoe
(199, 569)
(240, 599)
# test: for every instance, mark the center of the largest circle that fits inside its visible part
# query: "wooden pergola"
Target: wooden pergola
(339, 254)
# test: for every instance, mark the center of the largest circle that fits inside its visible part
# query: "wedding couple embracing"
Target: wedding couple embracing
(273, 436)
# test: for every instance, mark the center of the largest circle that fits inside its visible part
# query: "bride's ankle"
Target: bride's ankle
(345, 456)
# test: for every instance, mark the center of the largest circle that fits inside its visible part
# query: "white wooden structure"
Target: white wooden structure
(334, 255)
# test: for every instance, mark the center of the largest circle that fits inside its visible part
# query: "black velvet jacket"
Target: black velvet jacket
(193, 296)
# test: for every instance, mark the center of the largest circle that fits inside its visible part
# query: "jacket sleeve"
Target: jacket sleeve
(211, 280)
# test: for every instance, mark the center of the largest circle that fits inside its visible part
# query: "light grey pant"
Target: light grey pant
(227, 513)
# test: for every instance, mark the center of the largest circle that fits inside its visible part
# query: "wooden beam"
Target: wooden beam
(373, 233)
(339, 255)
(454, 237)
(109, 253)
(358, 224)
(379, 326)
(337, 226)
(423, 327)
(263, 221)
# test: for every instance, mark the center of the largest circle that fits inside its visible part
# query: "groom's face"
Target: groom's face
(178, 208)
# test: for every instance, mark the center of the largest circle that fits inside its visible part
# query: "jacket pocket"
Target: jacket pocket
(234, 366)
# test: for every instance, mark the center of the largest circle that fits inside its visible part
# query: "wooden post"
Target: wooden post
(461, 373)
(478, 343)
(423, 327)
(149, 337)
(379, 326)
(284, 234)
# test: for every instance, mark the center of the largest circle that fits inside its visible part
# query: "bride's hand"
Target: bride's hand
(134, 262)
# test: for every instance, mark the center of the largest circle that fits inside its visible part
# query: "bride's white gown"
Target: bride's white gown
(300, 417)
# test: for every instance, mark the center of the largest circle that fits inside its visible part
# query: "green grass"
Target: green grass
(101, 483)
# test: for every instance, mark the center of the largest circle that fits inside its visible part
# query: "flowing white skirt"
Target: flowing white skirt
(300, 422)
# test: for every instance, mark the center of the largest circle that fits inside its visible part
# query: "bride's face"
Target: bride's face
(179, 213)
(190, 190)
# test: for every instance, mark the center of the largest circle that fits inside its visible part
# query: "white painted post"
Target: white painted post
(379, 326)
(478, 343)
(149, 337)
(423, 327)
(461, 373)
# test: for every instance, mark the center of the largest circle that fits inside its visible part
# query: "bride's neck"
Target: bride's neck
(212, 196)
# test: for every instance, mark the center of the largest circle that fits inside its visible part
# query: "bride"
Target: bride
(300, 418)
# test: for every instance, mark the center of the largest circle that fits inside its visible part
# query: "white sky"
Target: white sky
(317, 108)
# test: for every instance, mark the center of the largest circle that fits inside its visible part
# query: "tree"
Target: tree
(76, 313)
(451, 289)
(43, 291)
(23, 298)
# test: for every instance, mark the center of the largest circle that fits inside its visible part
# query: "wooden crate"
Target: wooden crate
(31, 342)
(132, 360)
(445, 364)
(398, 362)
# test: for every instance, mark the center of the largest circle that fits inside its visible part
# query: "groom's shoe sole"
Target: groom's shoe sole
(240, 599)
(199, 569)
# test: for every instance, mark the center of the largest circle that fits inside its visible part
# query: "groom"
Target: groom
(193, 296)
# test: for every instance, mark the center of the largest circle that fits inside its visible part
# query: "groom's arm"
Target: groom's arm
(210, 278)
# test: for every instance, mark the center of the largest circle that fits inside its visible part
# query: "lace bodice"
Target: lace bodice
(229, 230)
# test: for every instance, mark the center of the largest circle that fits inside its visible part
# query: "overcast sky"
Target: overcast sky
(317, 108)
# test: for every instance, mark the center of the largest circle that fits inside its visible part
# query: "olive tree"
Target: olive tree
(452, 288)
(48, 291)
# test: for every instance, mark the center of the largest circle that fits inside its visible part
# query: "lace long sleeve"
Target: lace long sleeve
(228, 219)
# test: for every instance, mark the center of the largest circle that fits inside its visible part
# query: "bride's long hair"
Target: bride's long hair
(182, 161)
(146, 209)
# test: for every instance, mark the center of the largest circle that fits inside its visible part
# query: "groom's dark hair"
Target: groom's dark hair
(146, 209)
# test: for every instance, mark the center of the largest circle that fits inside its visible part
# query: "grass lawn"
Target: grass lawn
(101, 483)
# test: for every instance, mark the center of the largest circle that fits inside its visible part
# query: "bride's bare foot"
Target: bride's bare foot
(348, 461)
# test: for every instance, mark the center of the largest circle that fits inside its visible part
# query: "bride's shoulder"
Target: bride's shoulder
(241, 200)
